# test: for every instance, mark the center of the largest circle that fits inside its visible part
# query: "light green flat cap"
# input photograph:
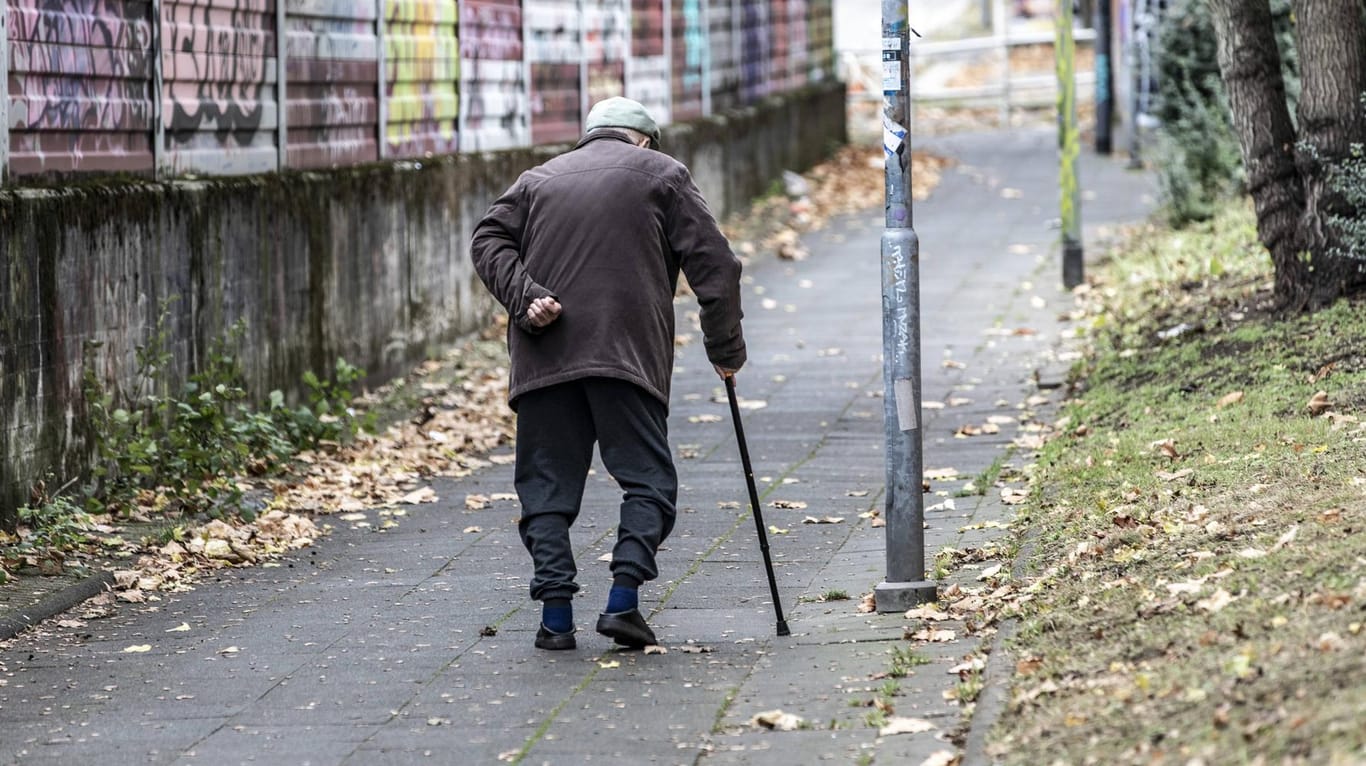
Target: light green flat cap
(618, 112)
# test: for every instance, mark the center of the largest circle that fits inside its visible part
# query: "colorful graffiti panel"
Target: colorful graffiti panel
(331, 82)
(495, 108)
(80, 86)
(724, 62)
(556, 103)
(798, 49)
(755, 50)
(820, 32)
(647, 27)
(422, 63)
(690, 51)
(554, 48)
(647, 68)
(219, 77)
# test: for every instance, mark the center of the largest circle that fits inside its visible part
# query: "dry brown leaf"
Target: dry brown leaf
(476, 502)
(1230, 399)
(903, 725)
(1319, 403)
(790, 505)
(868, 604)
(775, 720)
(941, 758)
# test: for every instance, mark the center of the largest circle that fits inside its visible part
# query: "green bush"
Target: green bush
(190, 447)
(1348, 178)
(1198, 156)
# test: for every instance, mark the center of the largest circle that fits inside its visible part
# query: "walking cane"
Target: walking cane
(754, 503)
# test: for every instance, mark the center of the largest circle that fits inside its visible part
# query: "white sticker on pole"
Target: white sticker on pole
(906, 415)
(891, 64)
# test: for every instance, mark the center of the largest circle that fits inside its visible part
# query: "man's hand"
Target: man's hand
(543, 311)
(725, 372)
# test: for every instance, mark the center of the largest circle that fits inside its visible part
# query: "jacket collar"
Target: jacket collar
(603, 134)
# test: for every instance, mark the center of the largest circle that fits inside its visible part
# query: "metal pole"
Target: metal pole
(1105, 80)
(4, 96)
(158, 95)
(382, 83)
(1069, 148)
(281, 84)
(905, 585)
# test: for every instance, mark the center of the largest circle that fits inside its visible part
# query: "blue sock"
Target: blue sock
(557, 617)
(622, 599)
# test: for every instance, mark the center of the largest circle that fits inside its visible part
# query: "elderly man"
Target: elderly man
(584, 252)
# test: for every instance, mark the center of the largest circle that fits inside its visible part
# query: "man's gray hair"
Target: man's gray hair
(631, 133)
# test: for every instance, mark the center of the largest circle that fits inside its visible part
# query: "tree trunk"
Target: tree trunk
(1250, 65)
(1331, 39)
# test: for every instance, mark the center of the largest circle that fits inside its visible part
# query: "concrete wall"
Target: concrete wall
(369, 263)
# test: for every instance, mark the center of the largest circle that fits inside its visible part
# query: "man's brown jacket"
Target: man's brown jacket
(605, 229)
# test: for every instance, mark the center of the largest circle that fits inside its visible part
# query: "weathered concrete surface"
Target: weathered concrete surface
(370, 264)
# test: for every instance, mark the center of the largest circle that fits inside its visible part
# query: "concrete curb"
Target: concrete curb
(15, 621)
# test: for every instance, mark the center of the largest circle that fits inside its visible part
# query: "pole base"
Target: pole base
(900, 596)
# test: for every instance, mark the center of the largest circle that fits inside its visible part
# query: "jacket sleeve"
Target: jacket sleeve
(713, 272)
(496, 249)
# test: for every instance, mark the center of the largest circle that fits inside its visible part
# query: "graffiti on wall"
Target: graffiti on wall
(606, 42)
(724, 56)
(554, 48)
(689, 57)
(647, 69)
(422, 72)
(331, 82)
(80, 92)
(495, 111)
(218, 69)
(369, 79)
(755, 50)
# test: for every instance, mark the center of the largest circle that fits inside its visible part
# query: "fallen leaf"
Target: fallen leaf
(941, 758)
(990, 572)
(1174, 475)
(823, 520)
(705, 419)
(941, 473)
(181, 628)
(728, 504)
(352, 517)
(423, 495)
(868, 604)
(695, 649)
(1230, 399)
(777, 530)
(1287, 538)
(655, 649)
(476, 502)
(472, 530)
(508, 756)
(499, 497)
(902, 725)
(934, 635)
(1319, 403)
(775, 720)
(927, 612)
(856, 493)
(229, 650)
(1216, 601)
(137, 649)
(791, 505)
(609, 665)
(1166, 447)
(1013, 496)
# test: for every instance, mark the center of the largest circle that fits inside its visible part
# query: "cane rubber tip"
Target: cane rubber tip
(782, 629)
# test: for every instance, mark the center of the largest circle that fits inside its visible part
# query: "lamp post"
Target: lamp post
(905, 585)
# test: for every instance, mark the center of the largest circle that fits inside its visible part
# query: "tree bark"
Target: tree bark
(1330, 36)
(1250, 65)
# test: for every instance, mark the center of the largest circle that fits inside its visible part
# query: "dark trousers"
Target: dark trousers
(556, 429)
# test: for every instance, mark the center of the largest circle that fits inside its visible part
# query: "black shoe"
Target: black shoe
(549, 639)
(626, 628)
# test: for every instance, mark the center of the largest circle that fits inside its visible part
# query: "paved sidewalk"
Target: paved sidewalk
(413, 644)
